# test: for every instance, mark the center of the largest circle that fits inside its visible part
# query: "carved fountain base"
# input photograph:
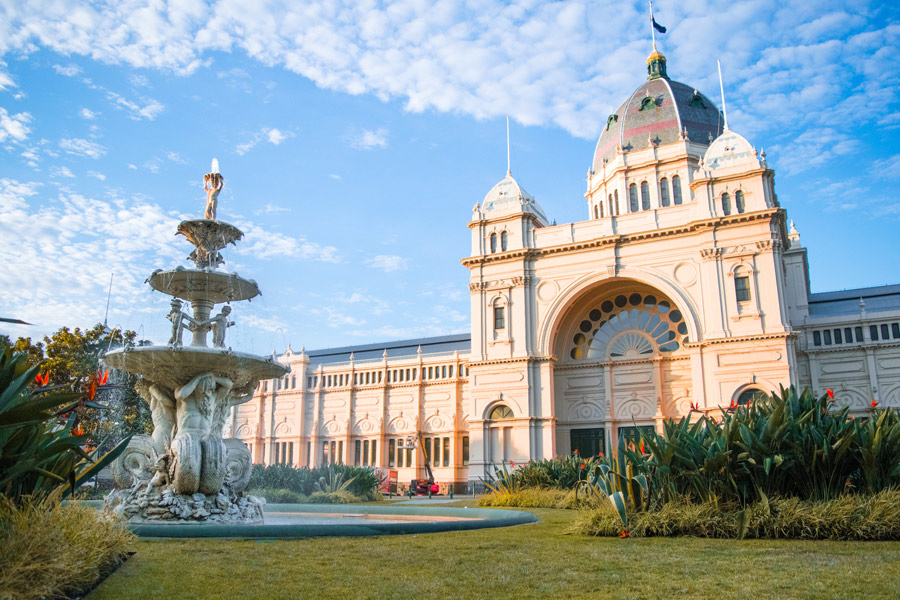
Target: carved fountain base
(146, 503)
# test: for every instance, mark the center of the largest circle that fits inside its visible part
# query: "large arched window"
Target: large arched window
(739, 201)
(504, 239)
(493, 243)
(676, 190)
(751, 395)
(615, 203)
(664, 192)
(632, 197)
(610, 206)
(645, 195)
(726, 204)
(499, 434)
(629, 326)
(597, 210)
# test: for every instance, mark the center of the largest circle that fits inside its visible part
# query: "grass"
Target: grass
(49, 550)
(528, 561)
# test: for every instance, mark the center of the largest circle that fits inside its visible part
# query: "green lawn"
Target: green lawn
(527, 561)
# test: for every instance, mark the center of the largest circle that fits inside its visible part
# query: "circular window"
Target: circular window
(634, 299)
(595, 315)
(585, 326)
(621, 301)
(607, 307)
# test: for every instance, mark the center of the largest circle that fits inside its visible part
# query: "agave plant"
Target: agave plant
(617, 479)
(40, 453)
(333, 482)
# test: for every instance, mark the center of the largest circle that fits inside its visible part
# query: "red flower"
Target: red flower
(695, 407)
(103, 376)
(600, 455)
(38, 379)
(733, 405)
(830, 393)
(575, 451)
(642, 446)
(512, 463)
(874, 403)
(625, 533)
(582, 466)
(77, 430)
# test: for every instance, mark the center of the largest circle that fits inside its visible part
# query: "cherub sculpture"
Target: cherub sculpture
(178, 318)
(218, 324)
(212, 183)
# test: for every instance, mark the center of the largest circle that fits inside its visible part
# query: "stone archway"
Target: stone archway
(620, 351)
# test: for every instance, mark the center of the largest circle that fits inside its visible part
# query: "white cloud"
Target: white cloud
(82, 147)
(70, 70)
(270, 134)
(369, 139)
(388, 263)
(138, 80)
(887, 168)
(148, 108)
(61, 172)
(14, 127)
(97, 175)
(6, 80)
(271, 209)
(86, 113)
(175, 157)
(334, 176)
(262, 244)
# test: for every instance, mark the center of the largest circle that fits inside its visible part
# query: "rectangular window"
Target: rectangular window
(437, 452)
(446, 452)
(276, 454)
(414, 374)
(340, 453)
(465, 451)
(357, 452)
(400, 454)
(742, 289)
(884, 332)
(409, 458)
(838, 337)
(374, 454)
(450, 370)
(308, 454)
(430, 372)
(325, 456)
(291, 453)
(895, 330)
(499, 318)
(827, 335)
(407, 375)
(873, 331)
(444, 372)
(392, 448)
(859, 335)
(588, 442)
(848, 335)
(817, 338)
(365, 459)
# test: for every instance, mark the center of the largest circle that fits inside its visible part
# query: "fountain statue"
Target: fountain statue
(185, 471)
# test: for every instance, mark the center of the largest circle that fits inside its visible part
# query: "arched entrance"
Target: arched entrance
(621, 363)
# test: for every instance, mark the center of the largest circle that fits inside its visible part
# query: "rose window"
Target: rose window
(629, 327)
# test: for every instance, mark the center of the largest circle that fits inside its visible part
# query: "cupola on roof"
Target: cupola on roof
(508, 197)
(728, 150)
(660, 111)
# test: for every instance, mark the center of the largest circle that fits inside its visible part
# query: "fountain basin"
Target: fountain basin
(196, 284)
(285, 521)
(178, 365)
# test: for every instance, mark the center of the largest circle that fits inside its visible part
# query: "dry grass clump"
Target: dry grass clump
(850, 517)
(49, 550)
(539, 498)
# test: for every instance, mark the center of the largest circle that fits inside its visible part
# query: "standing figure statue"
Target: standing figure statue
(218, 324)
(178, 317)
(212, 183)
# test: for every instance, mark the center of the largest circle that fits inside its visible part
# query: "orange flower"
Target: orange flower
(642, 446)
(77, 430)
(625, 533)
(582, 466)
(830, 393)
(575, 451)
(103, 376)
(874, 403)
(38, 379)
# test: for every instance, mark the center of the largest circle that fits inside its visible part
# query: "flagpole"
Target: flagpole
(722, 90)
(652, 32)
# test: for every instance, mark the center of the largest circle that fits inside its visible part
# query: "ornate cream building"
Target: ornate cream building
(686, 286)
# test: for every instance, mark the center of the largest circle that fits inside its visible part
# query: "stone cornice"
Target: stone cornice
(509, 361)
(692, 228)
(696, 183)
(781, 335)
(604, 363)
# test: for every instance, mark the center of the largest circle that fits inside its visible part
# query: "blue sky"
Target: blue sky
(356, 137)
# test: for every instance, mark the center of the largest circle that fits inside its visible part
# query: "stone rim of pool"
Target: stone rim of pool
(364, 523)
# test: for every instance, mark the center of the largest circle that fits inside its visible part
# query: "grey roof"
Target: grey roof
(444, 344)
(846, 302)
(673, 109)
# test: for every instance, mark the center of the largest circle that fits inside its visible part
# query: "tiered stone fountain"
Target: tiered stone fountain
(185, 471)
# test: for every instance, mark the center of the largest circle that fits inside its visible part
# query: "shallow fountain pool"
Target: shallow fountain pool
(286, 521)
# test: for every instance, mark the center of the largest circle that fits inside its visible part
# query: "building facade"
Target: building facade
(686, 287)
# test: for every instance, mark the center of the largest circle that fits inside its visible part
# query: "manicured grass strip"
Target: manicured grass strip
(528, 561)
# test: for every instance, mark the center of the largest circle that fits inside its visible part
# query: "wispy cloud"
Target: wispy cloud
(61, 172)
(97, 175)
(147, 108)
(388, 262)
(368, 139)
(271, 209)
(14, 127)
(270, 134)
(86, 113)
(70, 70)
(81, 147)
(263, 244)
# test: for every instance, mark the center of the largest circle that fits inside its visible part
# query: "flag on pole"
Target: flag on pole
(656, 25)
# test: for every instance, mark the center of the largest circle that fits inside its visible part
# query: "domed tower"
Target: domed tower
(650, 149)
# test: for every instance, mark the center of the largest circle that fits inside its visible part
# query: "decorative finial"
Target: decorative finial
(419, 350)
(351, 357)
(384, 354)
(722, 90)
(508, 169)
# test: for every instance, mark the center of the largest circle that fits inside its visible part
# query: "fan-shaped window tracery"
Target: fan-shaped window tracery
(629, 326)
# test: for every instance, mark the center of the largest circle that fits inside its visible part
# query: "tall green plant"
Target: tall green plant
(39, 453)
(618, 480)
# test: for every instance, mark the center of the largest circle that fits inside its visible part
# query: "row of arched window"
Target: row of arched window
(636, 203)
(738, 202)
(503, 242)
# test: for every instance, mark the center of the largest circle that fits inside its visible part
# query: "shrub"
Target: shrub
(850, 517)
(562, 472)
(362, 482)
(279, 496)
(49, 550)
(540, 498)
